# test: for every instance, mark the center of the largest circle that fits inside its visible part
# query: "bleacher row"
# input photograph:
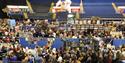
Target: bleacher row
(58, 43)
(14, 60)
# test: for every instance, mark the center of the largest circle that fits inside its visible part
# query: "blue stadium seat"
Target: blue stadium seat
(58, 43)
(42, 42)
(23, 42)
(72, 40)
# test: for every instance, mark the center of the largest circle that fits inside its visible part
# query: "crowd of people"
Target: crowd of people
(95, 48)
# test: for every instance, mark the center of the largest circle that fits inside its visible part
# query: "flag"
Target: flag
(54, 16)
(29, 5)
(77, 16)
(115, 7)
(25, 15)
(81, 7)
(51, 7)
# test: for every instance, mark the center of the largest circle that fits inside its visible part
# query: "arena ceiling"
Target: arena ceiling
(91, 6)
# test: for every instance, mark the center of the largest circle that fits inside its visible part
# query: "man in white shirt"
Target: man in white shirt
(67, 4)
(58, 4)
(60, 59)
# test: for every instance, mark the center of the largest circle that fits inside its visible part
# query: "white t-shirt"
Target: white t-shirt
(59, 59)
(123, 53)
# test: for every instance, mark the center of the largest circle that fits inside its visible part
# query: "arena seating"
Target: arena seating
(58, 43)
(42, 42)
(23, 42)
(96, 36)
